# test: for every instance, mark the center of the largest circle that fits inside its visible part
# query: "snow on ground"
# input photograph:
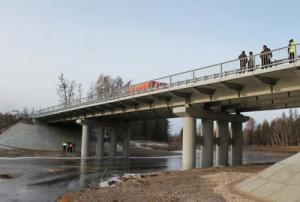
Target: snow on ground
(149, 144)
(5, 147)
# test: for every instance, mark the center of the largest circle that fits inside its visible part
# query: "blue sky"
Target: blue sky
(135, 39)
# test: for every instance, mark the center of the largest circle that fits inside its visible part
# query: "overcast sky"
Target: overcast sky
(138, 40)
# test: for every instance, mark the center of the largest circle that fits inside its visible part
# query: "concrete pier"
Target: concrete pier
(237, 145)
(100, 142)
(113, 142)
(189, 143)
(126, 140)
(207, 147)
(85, 141)
(223, 143)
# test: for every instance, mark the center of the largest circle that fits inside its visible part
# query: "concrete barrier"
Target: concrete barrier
(40, 136)
(279, 182)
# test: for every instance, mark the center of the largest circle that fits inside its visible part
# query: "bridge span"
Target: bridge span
(220, 93)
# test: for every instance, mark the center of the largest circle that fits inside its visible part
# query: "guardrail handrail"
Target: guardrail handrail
(123, 92)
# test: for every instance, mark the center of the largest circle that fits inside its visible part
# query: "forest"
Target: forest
(283, 130)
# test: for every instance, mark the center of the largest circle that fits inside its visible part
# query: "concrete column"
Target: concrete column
(222, 146)
(207, 147)
(237, 145)
(100, 142)
(189, 143)
(113, 142)
(126, 143)
(85, 141)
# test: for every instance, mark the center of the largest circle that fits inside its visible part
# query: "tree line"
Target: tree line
(12, 116)
(107, 86)
(283, 131)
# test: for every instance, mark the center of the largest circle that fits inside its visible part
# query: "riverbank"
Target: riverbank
(135, 151)
(273, 149)
(211, 184)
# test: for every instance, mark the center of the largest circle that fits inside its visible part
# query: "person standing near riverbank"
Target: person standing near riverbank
(64, 144)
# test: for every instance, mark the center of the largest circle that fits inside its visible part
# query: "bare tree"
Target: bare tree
(71, 91)
(62, 87)
(66, 90)
(249, 131)
(91, 92)
(79, 92)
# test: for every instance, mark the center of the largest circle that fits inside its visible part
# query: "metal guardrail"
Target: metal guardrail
(255, 62)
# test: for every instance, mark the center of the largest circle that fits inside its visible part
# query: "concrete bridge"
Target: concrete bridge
(219, 93)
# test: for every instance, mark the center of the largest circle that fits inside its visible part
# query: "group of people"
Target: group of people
(248, 62)
(68, 147)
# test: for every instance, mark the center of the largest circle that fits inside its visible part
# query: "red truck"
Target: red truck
(145, 86)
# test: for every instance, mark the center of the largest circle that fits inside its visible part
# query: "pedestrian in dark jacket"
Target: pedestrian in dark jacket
(265, 56)
(243, 61)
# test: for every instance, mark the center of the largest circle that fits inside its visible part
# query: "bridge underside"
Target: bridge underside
(221, 99)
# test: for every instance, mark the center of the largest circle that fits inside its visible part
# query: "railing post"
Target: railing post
(221, 69)
(194, 78)
(170, 81)
(295, 56)
(254, 64)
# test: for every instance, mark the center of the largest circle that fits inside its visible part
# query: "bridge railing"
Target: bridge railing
(238, 66)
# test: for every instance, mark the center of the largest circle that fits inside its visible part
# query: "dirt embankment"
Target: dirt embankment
(16, 152)
(212, 184)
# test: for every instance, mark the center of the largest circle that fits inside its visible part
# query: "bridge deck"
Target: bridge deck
(222, 87)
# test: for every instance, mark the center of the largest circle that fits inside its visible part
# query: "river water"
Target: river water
(44, 179)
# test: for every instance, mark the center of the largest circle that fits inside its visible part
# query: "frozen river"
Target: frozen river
(44, 179)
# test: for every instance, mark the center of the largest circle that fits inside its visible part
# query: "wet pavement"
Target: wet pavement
(44, 179)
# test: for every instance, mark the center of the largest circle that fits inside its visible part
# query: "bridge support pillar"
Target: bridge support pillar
(113, 142)
(126, 141)
(237, 145)
(85, 140)
(223, 144)
(100, 142)
(207, 146)
(189, 143)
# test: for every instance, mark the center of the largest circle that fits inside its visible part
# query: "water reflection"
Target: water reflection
(82, 175)
(44, 179)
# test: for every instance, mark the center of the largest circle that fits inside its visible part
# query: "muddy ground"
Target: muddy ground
(211, 184)
(14, 152)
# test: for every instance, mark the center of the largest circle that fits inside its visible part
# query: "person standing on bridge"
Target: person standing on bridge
(251, 61)
(265, 56)
(292, 50)
(243, 61)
